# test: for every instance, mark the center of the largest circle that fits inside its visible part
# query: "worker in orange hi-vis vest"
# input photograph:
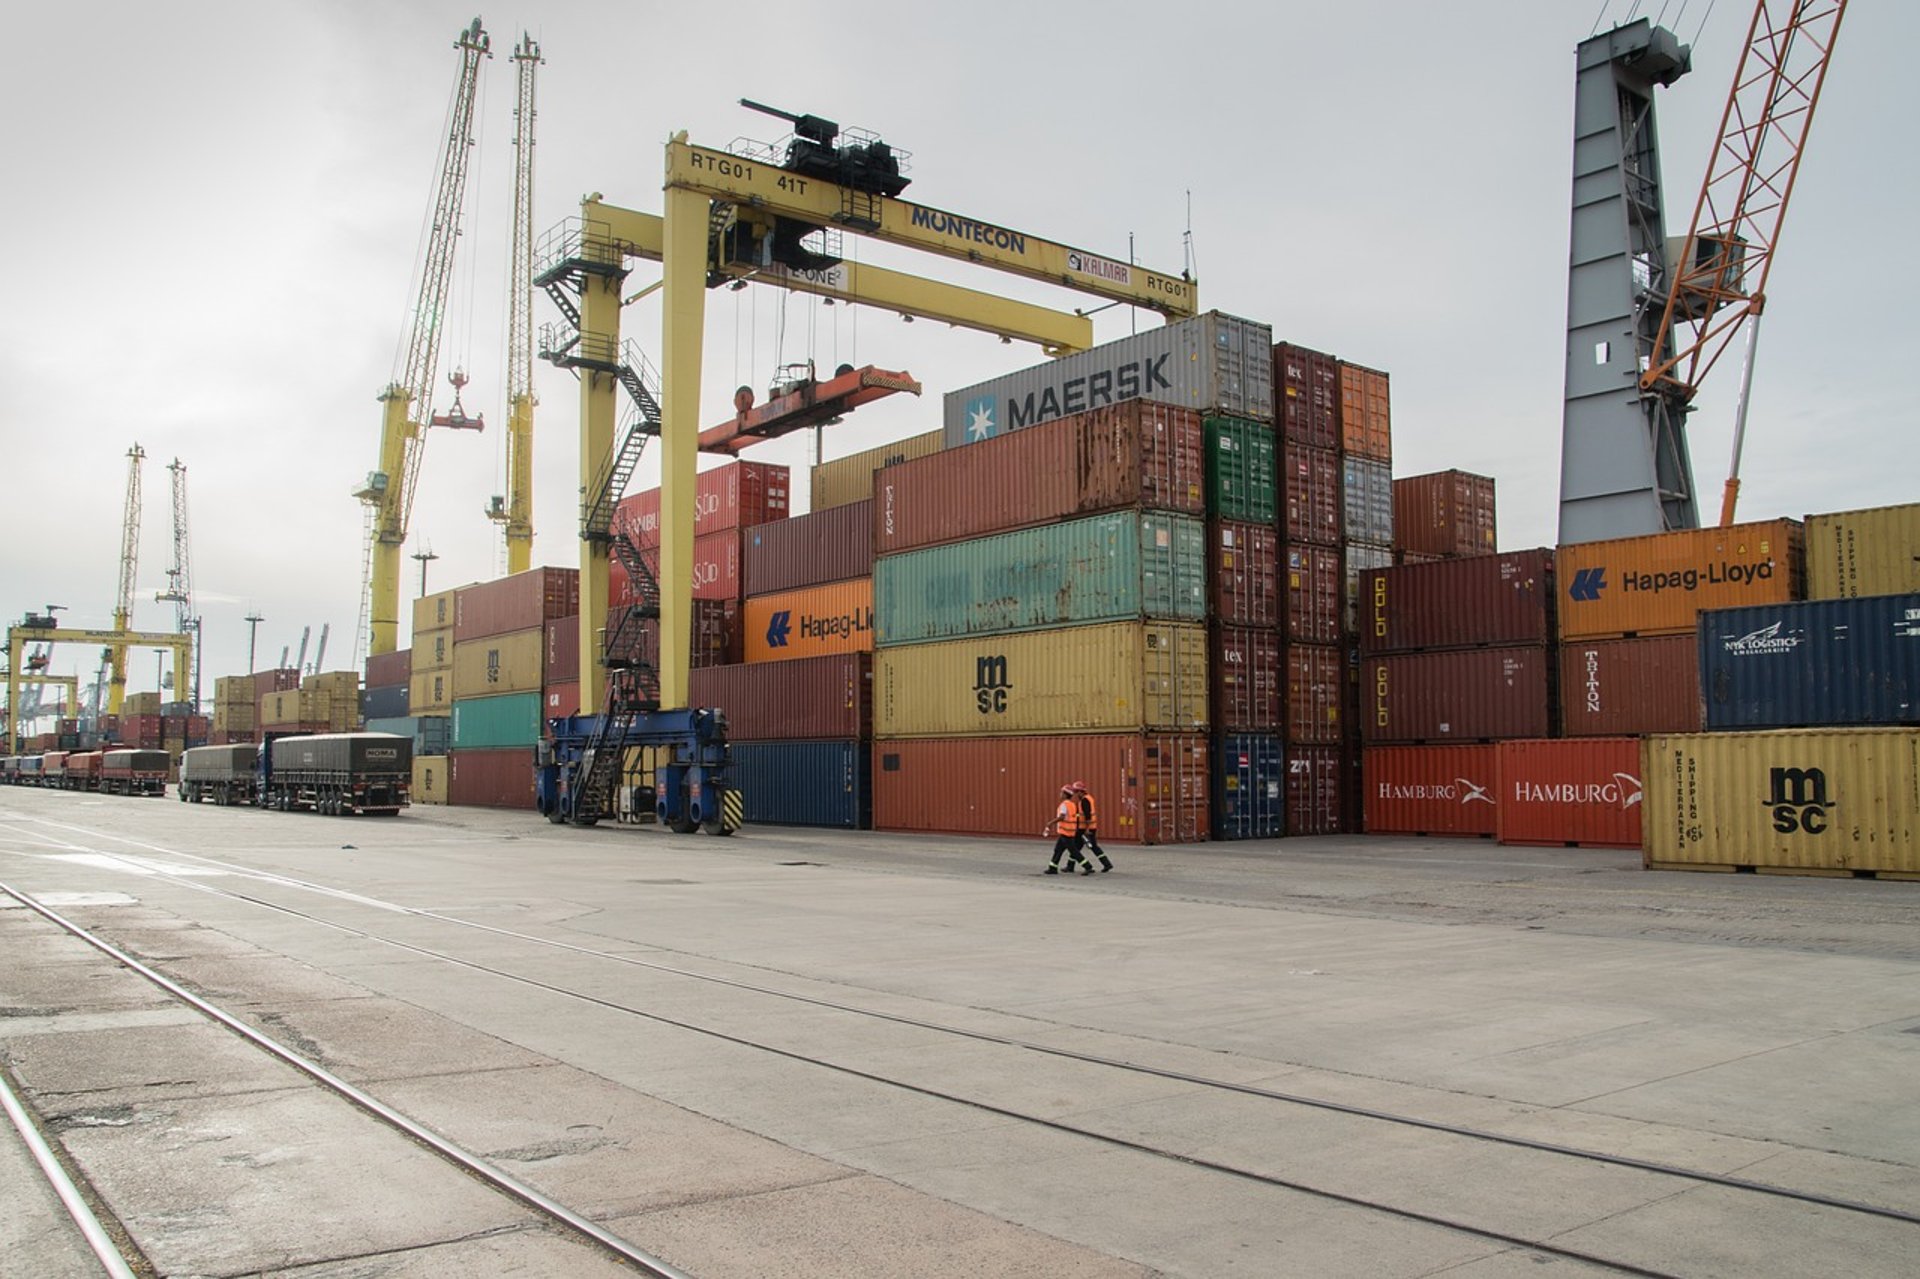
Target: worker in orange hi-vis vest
(1065, 828)
(1090, 825)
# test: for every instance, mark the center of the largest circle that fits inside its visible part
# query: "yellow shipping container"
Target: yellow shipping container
(433, 650)
(1657, 585)
(431, 613)
(510, 663)
(341, 684)
(233, 690)
(1799, 801)
(1117, 678)
(297, 706)
(1873, 552)
(429, 779)
(430, 693)
(815, 622)
(235, 717)
(847, 480)
(140, 704)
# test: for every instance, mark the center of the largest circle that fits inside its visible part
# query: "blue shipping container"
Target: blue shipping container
(386, 702)
(805, 783)
(1821, 663)
(431, 734)
(1249, 787)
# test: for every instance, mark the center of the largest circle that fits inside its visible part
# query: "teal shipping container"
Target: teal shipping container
(431, 734)
(1108, 568)
(1242, 461)
(511, 719)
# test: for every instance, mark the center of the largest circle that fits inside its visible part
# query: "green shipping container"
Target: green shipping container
(1108, 568)
(512, 719)
(1241, 466)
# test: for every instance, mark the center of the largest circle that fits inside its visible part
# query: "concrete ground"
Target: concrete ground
(677, 1038)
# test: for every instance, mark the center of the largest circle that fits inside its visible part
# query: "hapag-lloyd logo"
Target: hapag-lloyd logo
(1622, 791)
(1459, 789)
(1767, 639)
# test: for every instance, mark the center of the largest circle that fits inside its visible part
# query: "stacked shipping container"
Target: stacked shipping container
(497, 682)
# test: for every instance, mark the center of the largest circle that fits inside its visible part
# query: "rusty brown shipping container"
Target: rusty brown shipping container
(1468, 695)
(1307, 384)
(1366, 415)
(1431, 790)
(1658, 585)
(563, 651)
(1316, 693)
(1151, 789)
(1246, 668)
(1243, 573)
(809, 550)
(384, 670)
(1134, 454)
(1318, 779)
(1478, 602)
(1312, 578)
(516, 603)
(273, 681)
(1310, 489)
(491, 778)
(1630, 687)
(809, 697)
(1445, 513)
(716, 638)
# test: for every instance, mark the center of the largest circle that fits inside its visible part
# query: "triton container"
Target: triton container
(1447, 513)
(1627, 687)
(804, 783)
(809, 550)
(812, 697)
(1583, 792)
(563, 651)
(1430, 790)
(1872, 552)
(1827, 663)
(1481, 601)
(850, 479)
(1472, 695)
(1249, 787)
(1657, 585)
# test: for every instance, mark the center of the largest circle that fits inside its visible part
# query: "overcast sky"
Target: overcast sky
(213, 212)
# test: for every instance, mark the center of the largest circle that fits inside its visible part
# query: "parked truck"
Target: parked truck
(223, 775)
(335, 774)
(134, 772)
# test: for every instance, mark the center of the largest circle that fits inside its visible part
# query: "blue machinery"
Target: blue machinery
(574, 775)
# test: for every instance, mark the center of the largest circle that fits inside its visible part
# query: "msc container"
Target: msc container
(1480, 601)
(804, 783)
(377, 703)
(813, 622)
(1366, 417)
(1151, 789)
(1316, 687)
(1212, 362)
(429, 779)
(1477, 694)
(491, 778)
(1307, 392)
(1242, 461)
(727, 498)
(1828, 663)
(850, 479)
(1120, 677)
(1103, 568)
(1313, 581)
(1871, 552)
(1245, 666)
(562, 663)
(484, 723)
(1317, 781)
(809, 550)
(1810, 801)
(812, 697)
(434, 612)
(511, 663)
(1443, 514)
(1249, 787)
(1244, 565)
(716, 569)
(1628, 687)
(140, 704)
(432, 650)
(1366, 497)
(1361, 558)
(1429, 790)
(430, 693)
(1657, 585)
(523, 601)
(384, 670)
(1578, 793)
(1310, 482)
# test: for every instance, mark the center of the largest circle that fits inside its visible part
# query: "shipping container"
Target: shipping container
(1445, 513)
(1583, 792)
(1138, 455)
(1317, 779)
(715, 640)
(1430, 790)
(1657, 585)
(1314, 581)
(1151, 789)
(813, 622)
(1310, 482)
(812, 697)
(1630, 687)
(386, 670)
(1477, 602)
(429, 779)
(729, 498)
(523, 601)
(559, 701)
(1359, 559)
(430, 734)
(1099, 569)
(809, 550)
(805, 783)
(432, 651)
(1242, 466)
(1246, 669)
(297, 706)
(379, 703)
(1871, 552)
(1306, 388)
(1829, 663)
(1366, 500)
(434, 612)
(563, 651)
(1119, 677)
(849, 479)
(235, 690)
(515, 662)
(491, 778)
(431, 693)
(716, 569)
(274, 681)
(1366, 416)
(1316, 693)
(1468, 695)
(140, 704)
(1244, 564)
(485, 723)
(1809, 801)
(1249, 787)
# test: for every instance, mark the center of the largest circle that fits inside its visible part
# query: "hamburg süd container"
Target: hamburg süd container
(1366, 500)
(500, 778)
(1249, 787)
(1140, 564)
(1306, 388)
(1475, 602)
(1244, 567)
(1658, 585)
(1248, 676)
(809, 550)
(434, 612)
(1828, 663)
(849, 479)
(811, 622)
(384, 670)
(726, 498)
(1117, 677)
(487, 723)
(1313, 580)
(1316, 789)
(1361, 559)
(1316, 686)
(1151, 789)
(1213, 362)
(1445, 513)
(810, 697)
(1629, 687)
(1581, 792)
(1137, 455)
(1309, 480)
(563, 651)
(1242, 462)
(429, 779)
(1806, 801)
(514, 662)
(1871, 552)
(557, 701)
(520, 602)
(716, 569)
(433, 650)
(1430, 790)
(804, 783)
(1467, 695)
(1366, 415)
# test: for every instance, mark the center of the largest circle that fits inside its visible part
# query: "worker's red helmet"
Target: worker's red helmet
(1080, 786)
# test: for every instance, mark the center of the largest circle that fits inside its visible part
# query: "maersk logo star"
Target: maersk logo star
(980, 424)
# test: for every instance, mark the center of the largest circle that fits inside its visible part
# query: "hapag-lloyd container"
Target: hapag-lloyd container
(1430, 790)
(850, 479)
(1811, 801)
(1316, 684)
(1828, 663)
(500, 778)
(1310, 482)
(1871, 552)
(809, 550)
(1249, 787)
(804, 783)
(1444, 513)
(1657, 585)
(1242, 457)
(1134, 455)
(1312, 579)
(516, 603)
(1151, 789)
(1628, 687)
(812, 697)
(1366, 416)
(1479, 601)
(1099, 569)
(1307, 394)
(716, 569)
(1479, 694)
(1366, 499)
(813, 622)
(731, 497)
(1244, 566)
(1578, 792)
(1315, 777)
(1247, 673)
(1212, 362)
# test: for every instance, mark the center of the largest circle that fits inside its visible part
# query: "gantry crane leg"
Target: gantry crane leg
(599, 407)
(684, 307)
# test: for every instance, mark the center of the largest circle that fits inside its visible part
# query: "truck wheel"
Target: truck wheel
(715, 826)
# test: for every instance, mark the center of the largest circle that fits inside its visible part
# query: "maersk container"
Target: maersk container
(1213, 362)
(804, 783)
(1366, 498)
(1658, 584)
(1242, 462)
(486, 723)
(1828, 663)
(1243, 560)
(1249, 787)
(1430, 790)
(1101, 569)
(1481, 601)
(1871, 552)
(1309, 480)
(1480, 694)
(1307, 396)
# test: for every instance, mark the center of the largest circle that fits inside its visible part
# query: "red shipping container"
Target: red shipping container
(1310, 484)
(716, 639)
(810, 550)
(1483, 601)
(807, 697)
(1151, 790)
(1318, 778)
(1308, 386)
(1573, 792)
(1612, 688)
(1446, 513)
(559, 700)
(1430, 790)
(731, 497)
(1316, 693)
(563, 650)
(516, 603)
(274, 681)
(1246, 672)
(1243, 573)
(1312, 579)
(1479, 694)
(1133, 454)
(716, 569)
(384, 670)
(491, 778)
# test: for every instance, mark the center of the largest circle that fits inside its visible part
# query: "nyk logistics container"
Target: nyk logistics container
(1249, 787)
(1430, 790)
(1248, 676)
(510, 663)
(1213, 362)
(812, 697)
(1134, 455)
(1468, 695)
(1583, 792)
(804, 783)
(850, 479)
(1808, 801)
(1629, 687)
(727, 498)
(1141, 564)
(1151, 789)
(520, 602)
(1825, 663)
(809, 550)
(814, 622)
(1657, 585)
(1119, 677)
(1242, 462)
(1244, 566)
(1307, 393)
(1446, 513)
(486, 723)
(1872, 552)
(1477, 602)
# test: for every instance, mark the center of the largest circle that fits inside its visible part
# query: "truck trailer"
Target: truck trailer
(224, 775)
(335, 774)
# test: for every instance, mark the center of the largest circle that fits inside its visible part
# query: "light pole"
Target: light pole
(253, 629)
(425, 557)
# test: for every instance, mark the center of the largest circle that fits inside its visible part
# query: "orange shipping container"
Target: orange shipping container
(1366, 420)
(1657, 585)
(819, 621)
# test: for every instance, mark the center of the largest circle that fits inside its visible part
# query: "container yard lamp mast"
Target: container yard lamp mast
(424, 557)
(253, 621)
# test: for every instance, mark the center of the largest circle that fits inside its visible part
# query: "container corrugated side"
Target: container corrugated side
(518, 602)
(1475, 602)
(727, 498)
(432, 651)
(1467, 695)
(434, 612)
(1249, 787)
(1627, 687)
(485, 723)
(1316, 693)
(1306, 388)
(804, 783)
(1430, 790)
(430, 693)
(1242, 463)
(1102, 568)
(429, 779)
(1316, 790)
(716, 568)
(515, 662)
(1827, 663)
(1243, 561)
(1313, 580)
(849, 479)
(809, 550)
(491, 778)
(1248, 678)
(557, 701)
(1118, 677)
(1870, 552)
(715, 638)
(384, 670)
(1310, 482)
(1582, 792)
(813, 622)
(1366, 415)
(562, 650)
(1811, 801)
(1360, 559)
(812, 697)
(1366, 500)
(1657, 585)
(1444, 513)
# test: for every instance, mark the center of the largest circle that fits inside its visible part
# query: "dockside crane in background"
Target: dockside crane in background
(113, 659)
(179, 590)
(514, 509)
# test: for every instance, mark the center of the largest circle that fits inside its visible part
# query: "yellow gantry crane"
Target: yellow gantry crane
(114, 657)
(515, 510)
